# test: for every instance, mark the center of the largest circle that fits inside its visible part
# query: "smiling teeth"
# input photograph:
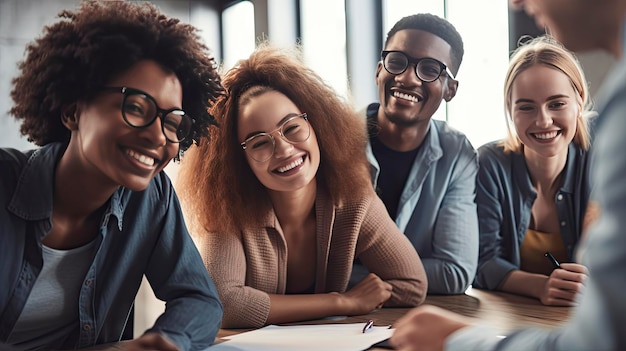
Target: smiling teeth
(404, 96)
(146, 160)
(290, 166)
(548, 135)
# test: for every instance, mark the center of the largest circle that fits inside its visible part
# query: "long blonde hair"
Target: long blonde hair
(545, 50)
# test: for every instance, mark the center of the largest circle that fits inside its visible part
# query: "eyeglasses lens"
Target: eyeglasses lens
(426, 69)
(140, 111)
(261, 146)
(396, 63)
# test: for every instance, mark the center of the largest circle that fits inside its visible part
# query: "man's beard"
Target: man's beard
(402, 122)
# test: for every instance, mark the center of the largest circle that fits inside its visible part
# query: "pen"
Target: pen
(368, 325)
(553, 260)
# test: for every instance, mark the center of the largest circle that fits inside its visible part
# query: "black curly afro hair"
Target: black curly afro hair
(86, 48)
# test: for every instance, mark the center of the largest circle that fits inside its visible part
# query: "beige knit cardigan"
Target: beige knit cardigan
(249, 265)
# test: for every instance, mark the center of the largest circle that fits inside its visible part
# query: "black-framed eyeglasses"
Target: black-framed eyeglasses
(261, 146)
(427, 69)
(140, 110)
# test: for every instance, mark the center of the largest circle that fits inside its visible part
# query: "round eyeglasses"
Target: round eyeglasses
(140, 110)
(260, 147)
(427, 69)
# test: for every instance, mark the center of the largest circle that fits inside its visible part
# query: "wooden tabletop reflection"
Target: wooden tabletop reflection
(504, 312)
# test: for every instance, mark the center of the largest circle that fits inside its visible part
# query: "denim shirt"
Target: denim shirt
(140, 233)
(505, 196)
(437, 211)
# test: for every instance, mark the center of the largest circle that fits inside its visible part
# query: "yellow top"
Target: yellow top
(534, 247)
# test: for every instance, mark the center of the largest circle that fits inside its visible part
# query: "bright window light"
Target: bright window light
(324, 40)
(477, 109)
(238, 28)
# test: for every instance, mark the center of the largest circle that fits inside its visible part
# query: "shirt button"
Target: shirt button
(563, 224)
(559, 197)
(88, 282)
(87, 327)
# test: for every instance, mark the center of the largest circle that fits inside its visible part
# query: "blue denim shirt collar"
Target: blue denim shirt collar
(521, 172)
(33, 196)
(569, 182)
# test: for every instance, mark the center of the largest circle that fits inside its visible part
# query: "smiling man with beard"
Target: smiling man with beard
(424, 170)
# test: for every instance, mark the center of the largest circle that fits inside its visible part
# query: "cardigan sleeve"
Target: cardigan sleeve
(387, 252)
(225, 259)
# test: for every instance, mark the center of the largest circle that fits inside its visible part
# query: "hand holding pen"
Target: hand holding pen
(564, 284)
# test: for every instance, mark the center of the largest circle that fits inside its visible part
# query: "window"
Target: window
(238, 39)
(477, 110)
(324, 40)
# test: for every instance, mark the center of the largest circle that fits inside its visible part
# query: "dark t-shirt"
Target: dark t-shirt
(394, 170)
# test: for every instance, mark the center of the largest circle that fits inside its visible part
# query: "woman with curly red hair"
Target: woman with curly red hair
(282, 203)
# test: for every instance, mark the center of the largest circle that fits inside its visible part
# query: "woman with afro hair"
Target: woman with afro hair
(112, 92)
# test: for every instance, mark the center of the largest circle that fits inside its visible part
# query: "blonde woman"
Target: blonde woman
(533, 187)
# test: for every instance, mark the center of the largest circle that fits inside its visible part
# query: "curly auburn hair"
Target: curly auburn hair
(217, 187)
(78, 55)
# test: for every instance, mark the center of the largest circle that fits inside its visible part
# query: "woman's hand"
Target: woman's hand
(150, 341)
(369, 294)
(425, 328)
(564, 285)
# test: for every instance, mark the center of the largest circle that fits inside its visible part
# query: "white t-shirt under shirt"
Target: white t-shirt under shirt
(52, 305)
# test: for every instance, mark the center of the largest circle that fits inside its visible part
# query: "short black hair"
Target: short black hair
(76, 56)
(437, 26)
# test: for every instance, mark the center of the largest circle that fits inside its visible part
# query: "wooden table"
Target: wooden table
(504, 312)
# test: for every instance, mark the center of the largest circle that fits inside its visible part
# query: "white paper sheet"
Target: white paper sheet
(327, 337)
